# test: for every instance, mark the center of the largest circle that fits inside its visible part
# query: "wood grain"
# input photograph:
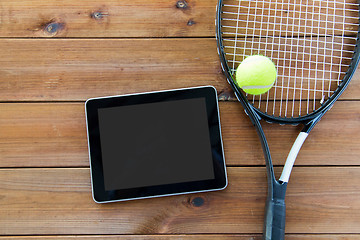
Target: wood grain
(189, 237)
(58, 201)
(77, 69)
(54, 134)
(109, 18)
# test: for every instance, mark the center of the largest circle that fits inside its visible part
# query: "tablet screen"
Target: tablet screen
(155, 143)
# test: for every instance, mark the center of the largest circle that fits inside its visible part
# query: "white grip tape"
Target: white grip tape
(285, 175)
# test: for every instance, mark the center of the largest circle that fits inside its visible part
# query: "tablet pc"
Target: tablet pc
(155, 144)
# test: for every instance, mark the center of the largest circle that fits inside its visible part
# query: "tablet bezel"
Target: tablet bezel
(100, 195)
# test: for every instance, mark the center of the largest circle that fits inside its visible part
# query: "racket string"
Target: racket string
(310, 42)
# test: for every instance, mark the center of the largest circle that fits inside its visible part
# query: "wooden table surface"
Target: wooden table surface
(56, 54)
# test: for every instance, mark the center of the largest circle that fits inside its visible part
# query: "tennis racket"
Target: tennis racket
(315, 46)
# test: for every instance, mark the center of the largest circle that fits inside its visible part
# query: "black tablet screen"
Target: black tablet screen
(155, 143)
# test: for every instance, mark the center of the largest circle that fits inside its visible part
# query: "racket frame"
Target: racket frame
(274, 221)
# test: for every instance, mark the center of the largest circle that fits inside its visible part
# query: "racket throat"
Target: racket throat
(285, 175)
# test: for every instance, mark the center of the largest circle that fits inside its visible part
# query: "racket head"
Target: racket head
(277, 29)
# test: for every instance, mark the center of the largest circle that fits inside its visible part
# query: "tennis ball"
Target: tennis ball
(256, 74)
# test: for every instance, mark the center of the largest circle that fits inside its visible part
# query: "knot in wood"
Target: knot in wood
(52, 27)
(190, 22)
(97, 15)
(197, 202)
(181, 4)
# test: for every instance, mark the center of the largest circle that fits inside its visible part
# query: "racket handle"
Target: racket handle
(274, 226)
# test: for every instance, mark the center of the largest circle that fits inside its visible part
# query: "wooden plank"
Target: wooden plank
(54, 134)
(132, 18)
(58, 201)
(188, 237)
(74, 69)
(43, 135)
(79, 69)
(109, 18)
(329, 143)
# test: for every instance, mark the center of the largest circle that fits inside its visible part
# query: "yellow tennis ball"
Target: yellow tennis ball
(256, 74)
